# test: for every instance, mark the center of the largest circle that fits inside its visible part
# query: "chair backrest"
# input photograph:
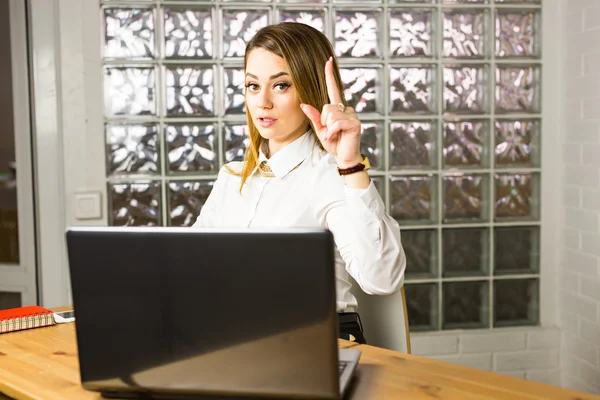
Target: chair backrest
(385, 319)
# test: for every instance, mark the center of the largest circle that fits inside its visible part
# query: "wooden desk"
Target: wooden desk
(42, 364)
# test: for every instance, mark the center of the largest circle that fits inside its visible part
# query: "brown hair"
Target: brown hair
(305, 50)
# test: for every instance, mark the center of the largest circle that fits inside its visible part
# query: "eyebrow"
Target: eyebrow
(277, 75)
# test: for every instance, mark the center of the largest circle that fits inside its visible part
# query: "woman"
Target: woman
(303, 166)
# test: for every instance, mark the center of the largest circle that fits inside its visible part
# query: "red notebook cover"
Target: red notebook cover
(15, 319)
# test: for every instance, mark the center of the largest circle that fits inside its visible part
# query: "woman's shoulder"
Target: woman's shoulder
(228, 179)
(233, 168)
(229, 174)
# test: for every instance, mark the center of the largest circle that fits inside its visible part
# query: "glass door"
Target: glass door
(17, 239)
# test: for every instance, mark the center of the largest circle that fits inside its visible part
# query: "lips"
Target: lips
(266, 122)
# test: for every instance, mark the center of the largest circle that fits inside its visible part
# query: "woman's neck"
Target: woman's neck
(273, 146)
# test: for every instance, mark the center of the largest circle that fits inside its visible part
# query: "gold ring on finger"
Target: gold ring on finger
(341, 107)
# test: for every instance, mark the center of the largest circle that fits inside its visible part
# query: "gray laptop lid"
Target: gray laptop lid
(182, 310)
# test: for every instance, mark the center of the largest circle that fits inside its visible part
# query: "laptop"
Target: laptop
(176, 313)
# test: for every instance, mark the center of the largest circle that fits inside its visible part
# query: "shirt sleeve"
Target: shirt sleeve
(366, 236)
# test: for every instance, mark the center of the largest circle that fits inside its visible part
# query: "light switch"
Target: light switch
(88, 205)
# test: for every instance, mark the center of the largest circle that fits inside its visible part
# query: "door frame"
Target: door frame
(47, 105)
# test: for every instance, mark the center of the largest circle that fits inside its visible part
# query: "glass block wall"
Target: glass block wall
(449, 95)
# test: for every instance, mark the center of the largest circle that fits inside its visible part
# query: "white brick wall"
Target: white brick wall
(526, 353)
(579, 272)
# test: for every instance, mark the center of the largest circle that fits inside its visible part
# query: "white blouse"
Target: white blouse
(306, 191)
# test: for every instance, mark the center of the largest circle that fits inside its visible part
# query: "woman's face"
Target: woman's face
(272, 100)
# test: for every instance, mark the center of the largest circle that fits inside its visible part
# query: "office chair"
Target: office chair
(384, 319)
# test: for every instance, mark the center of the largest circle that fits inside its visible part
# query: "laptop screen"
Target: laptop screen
(212, 311)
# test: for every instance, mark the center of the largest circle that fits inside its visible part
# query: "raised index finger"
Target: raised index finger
(332, 88)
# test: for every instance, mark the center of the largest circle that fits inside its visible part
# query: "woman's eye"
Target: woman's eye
(282, 86)
(252, 86)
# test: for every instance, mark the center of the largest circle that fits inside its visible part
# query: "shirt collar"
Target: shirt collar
(288, 158)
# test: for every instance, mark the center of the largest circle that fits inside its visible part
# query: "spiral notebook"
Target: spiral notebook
(16, 319)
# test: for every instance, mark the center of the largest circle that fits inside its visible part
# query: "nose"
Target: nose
(264, 102)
